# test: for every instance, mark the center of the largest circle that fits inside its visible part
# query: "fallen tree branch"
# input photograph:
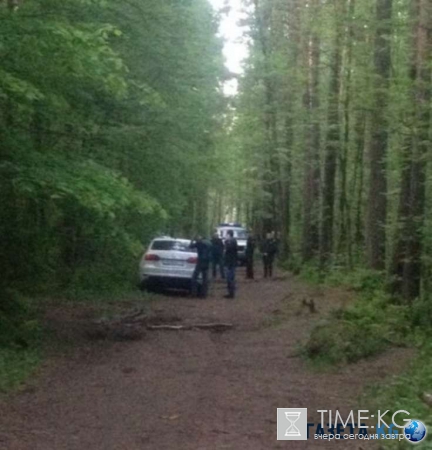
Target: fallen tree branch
(169, 327)
(134, 317)
(219, 326)
(202, 326)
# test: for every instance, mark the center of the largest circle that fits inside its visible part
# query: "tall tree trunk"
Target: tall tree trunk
(377, 198)
(412, 268)
(358, 178)
(263, 13)
(345, 242)
(310, 240)
(399, 251)
(294, 34)
(332, 147)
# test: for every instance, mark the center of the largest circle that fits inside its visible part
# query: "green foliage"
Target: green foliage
(421, 314)
(19, 328)
(20, 336)
(371, 324)
(368, 282)
(109, 117)
(365, 328)
(55, 192)
(88, 185)
(16, 366)
(300, 177)
(407, 392)
(310, 272)
(360, 280)
(108, 114)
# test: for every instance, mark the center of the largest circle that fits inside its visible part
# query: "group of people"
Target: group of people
(222, 255)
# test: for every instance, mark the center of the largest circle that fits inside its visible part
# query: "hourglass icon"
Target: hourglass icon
(292, 418)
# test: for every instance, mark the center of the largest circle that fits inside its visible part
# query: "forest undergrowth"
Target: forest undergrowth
(373, 323)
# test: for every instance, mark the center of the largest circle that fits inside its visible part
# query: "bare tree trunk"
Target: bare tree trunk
(310, 241)
(377, 200)
(412, 269)
(345, 242)
(358, 182)
(294, 30)
(399, 251)
(332, 148)
(263, 14)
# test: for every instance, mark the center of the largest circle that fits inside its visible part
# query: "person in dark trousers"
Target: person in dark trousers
(269, 250)
(203, 248)
(217, 253)
(250, 249)
(230, 263)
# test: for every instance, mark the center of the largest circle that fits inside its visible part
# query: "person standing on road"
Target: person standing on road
(203, 248)
(269, 250)
(217, 251)
(230, 263)
(250, 249)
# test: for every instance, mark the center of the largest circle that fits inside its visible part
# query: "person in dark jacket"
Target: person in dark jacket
(230, 263)
(250, 249)
(217, 253)
(203, 248)
(269, 250)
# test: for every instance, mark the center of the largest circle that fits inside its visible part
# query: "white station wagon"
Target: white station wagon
(168, 262)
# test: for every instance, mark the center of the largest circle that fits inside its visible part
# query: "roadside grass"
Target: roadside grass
(24, 339)
(368, 326)
(411, 391)
(110, 300)
(114, 303)
(20, 338)
(365, 328)
(16, 365)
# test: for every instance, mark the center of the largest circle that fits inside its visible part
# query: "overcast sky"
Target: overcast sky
(234, 50)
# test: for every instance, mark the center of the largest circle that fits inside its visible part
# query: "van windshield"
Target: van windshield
(238, 234)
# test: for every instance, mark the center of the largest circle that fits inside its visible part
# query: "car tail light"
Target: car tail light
(151, 257)
(192, 260)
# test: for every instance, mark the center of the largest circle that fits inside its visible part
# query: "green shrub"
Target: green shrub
(363, 329)
(421, 313)
(20, 335)
(16, 365)
(407, 392)
(19, 327)
(311, 274)
(361, 280)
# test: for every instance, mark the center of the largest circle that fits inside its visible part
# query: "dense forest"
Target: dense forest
(333, 125)
(114, 127)
(110, 119)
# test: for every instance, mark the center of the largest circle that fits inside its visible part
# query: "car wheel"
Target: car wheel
(152, 287)
(148, 286)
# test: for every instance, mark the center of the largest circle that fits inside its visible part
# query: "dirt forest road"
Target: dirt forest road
(195, 389)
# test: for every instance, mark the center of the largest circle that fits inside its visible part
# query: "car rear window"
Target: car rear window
(171, 245)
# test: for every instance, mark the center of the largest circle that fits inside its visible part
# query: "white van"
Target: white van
(240, 234)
